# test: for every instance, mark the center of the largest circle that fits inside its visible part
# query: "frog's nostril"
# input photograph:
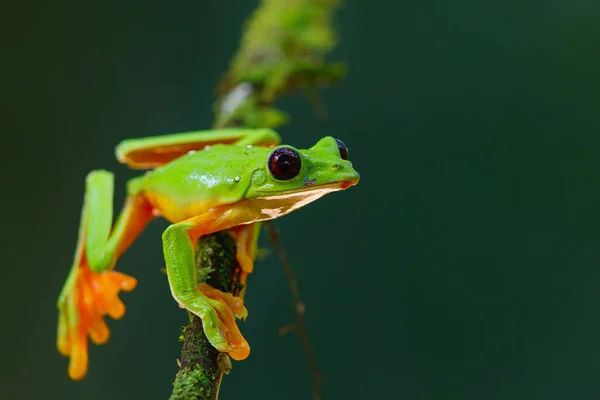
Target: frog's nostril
(335, 166)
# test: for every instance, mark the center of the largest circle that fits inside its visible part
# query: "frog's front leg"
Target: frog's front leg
(216, 309)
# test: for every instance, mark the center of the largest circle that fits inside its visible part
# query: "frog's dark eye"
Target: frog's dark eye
(343, 149)
(284, 163)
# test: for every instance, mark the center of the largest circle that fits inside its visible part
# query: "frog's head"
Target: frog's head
(292, 177)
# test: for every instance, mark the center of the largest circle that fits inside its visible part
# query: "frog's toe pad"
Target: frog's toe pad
(82, 313)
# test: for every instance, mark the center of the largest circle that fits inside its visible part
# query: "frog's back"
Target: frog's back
(198, 181)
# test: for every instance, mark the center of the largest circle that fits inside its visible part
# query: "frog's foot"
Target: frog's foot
(218, 311)
(81, 312)
(235, 304)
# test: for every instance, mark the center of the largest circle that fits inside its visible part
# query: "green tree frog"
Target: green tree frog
(202, 182)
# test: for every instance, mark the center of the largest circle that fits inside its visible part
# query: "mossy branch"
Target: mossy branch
(282, 50)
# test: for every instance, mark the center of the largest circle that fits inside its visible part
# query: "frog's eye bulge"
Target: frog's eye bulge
(284, 163)
(343, 149)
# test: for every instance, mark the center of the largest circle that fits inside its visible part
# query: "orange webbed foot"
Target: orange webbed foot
(81, 313)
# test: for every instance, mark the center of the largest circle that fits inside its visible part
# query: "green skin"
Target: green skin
(191, 189)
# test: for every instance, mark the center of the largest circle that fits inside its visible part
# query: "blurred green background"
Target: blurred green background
(465, 265)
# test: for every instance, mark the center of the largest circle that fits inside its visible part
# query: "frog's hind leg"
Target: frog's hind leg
(92, 287)
(154, 151)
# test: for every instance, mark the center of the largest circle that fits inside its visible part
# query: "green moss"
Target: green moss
(282, 39)
(215, 261)
(195, 383)
(283, 49)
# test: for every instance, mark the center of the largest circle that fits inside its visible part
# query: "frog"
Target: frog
(202, 182)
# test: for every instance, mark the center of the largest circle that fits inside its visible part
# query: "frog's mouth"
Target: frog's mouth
(274, 206)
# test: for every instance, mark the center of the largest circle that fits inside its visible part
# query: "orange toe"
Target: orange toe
(125, 282)
(99, 332)
(239, 349)
(78, 364)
